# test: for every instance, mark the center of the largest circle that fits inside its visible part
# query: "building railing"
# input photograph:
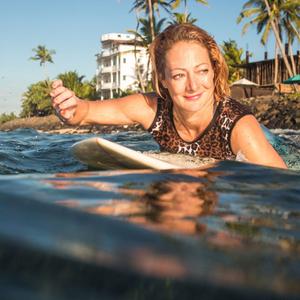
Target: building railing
(109, 86)
(109, 52)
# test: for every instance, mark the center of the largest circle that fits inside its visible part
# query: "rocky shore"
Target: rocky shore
(276, 111)
(272, 111)
(52, 124)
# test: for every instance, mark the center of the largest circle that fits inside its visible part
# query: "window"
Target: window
(124, 60)
(124, 77)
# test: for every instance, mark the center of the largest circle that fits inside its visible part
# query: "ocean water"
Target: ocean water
(225, 230)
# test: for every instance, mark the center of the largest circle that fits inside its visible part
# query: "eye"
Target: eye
(203, 71)
(178, 76)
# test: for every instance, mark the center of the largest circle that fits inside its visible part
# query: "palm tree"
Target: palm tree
(83, 89)
(272, 16)
(179, 18)
(148, 7)
(176, 3)
(257, 10)
(233, 56)
(291, 26)
(266, 21)
(143, 37)
(143, 5)
(36, 100)
(43, 55)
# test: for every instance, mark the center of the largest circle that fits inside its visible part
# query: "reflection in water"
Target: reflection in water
(219, 225)
(167, 205)
(197, 202)
(173, 206)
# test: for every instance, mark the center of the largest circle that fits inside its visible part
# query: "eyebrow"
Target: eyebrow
(183, 69)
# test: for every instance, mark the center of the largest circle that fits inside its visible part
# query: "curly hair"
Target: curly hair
(187, 32)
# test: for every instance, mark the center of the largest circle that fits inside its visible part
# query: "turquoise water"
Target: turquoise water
(229, 230)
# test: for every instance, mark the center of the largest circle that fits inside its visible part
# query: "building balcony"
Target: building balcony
(108, 52)
(106, 70)
(106, 86)
(105, 53)
(109, 86)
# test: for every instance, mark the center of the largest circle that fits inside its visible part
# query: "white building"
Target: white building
(118, 64)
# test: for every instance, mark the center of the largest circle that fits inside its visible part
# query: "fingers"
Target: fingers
(60, 95)
(66, 115)
(64, 100)
(67, 103)
(56, 83)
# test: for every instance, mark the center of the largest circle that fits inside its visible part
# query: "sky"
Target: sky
(73, 29)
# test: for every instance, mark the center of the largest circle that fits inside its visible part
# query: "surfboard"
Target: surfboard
(100, 153)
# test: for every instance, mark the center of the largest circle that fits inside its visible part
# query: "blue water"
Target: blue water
(228, 229)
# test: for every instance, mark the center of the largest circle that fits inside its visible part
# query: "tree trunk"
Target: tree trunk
(185, 11)
(295, 31)
(276, 64)
(278, 40)
(137, 68)
(292, 58)
(149, 2)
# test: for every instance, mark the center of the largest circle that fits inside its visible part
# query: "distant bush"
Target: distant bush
(294, 96)
(7, 117)
(36, 101)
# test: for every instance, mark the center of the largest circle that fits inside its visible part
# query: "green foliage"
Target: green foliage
(143, 5)
(176, 3)
(125, 93)
(144, 32)
(233, 56)
(179, 18)
(36, 100)
(295, 96)
(82, 89)
(43, 55)
(285, 14)
(7, 117)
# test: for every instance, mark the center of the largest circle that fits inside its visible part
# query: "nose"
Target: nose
(192, 83)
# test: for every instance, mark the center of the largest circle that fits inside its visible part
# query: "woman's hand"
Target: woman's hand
(64, 101)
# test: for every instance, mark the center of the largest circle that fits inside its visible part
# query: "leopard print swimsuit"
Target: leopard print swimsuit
(213, 142)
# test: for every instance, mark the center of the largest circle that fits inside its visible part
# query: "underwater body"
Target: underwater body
(225, 230)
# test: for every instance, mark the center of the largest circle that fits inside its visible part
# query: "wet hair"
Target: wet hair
(190, 33)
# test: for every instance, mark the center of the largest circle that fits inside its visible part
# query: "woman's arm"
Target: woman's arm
(132, 109)
(249, 139)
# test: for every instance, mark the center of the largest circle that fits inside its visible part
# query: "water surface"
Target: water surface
(229, 229)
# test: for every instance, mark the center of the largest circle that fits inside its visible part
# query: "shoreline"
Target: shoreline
(275, 112)
(51, 124)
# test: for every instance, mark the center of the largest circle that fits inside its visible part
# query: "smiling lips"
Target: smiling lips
(193, 97)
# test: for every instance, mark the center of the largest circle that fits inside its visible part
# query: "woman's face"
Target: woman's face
(189, 76)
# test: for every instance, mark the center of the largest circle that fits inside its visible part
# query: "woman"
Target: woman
(191, 111)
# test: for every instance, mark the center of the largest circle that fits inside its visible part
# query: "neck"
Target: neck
(190, 125)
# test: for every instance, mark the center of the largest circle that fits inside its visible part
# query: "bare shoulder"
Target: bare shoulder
(247, 133)
(151, 99)
(249, 139)
(140, 107)
(247, 123)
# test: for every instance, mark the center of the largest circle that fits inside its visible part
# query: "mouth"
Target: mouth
(193, 97)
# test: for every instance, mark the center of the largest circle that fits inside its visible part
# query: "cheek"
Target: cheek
(208, 80)
(176, 87)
